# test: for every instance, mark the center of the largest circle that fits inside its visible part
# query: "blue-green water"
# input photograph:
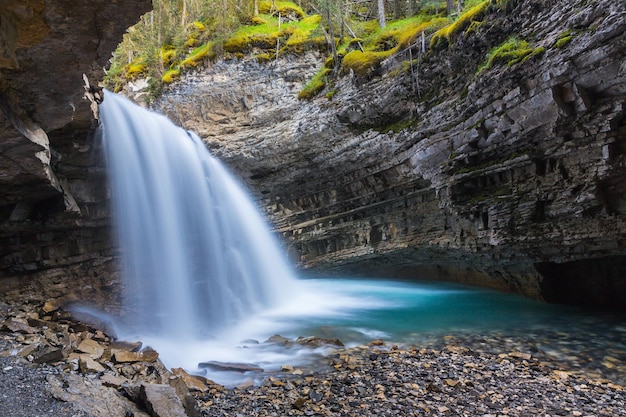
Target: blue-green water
(423, 314)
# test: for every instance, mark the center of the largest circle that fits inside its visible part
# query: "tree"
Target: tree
(382, 22)
(449, 6)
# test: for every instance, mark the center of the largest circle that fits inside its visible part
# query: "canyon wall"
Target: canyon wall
(54, 217)
(512, 177)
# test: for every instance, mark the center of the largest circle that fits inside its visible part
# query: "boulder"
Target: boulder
(161, 401)
(92, 348)
(16, 325)
(193, 382)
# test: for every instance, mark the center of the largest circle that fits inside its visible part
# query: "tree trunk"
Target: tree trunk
(256, 8)
(449, 6)
(184, 14)
(382, 22)
(331, 37)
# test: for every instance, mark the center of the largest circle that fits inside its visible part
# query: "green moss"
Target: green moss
(565, 38)
(563, 41)
(315, 85)
(263, 36)
(285, 8)
(168, 55)
(510, 52)
(329, 62)
(362, 63)
(397, 127)
(135, 68)
(198, 55)
(331, 94)
(199, 26)
(265, 57)
(295, 36)
(443, 37)
(383, 43)
(303, 35)
(171, 76)
(473, 27)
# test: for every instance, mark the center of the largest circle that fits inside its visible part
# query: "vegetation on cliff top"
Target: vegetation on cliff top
(179, 35)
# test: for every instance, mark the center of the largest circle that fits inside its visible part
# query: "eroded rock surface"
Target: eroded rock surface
(502, 178)
(54, 220)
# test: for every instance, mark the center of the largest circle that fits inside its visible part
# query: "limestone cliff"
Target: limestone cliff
(54, 222)
(512, 177)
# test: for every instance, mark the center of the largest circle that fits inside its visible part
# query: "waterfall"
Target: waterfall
(197, 256)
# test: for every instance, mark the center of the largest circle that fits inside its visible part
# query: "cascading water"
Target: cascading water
(204, 276)
(197, 256)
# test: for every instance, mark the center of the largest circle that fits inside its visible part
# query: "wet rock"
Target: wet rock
(228, 366)
(161, 401)
(314, 341)
(278, 339)
(126, 356)
(125, 345)
(521, 355)
(193, 382)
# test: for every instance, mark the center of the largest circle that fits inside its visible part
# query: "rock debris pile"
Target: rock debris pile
(54, 365)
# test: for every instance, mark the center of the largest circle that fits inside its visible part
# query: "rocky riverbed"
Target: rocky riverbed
(53, 365)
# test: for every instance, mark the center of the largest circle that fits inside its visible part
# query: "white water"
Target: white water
(197, 256)
(201, 271)
(203, 274)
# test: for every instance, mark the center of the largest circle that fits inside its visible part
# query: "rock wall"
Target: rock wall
(54, 220)
(513, 177)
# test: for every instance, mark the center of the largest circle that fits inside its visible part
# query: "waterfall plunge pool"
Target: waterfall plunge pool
(205, 281)
(423, 314)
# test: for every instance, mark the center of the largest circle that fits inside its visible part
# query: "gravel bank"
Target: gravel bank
(23, 391)
(454, 381)
(82, 375)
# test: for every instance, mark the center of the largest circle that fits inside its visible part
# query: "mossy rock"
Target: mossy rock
(198, 56)
(315, 85)
(284, 8)
(443, 38)
(565, 38)
(171, 76)
(168, 55)
(511, 52)
(264, 57)
(363, 63)
(135, 69)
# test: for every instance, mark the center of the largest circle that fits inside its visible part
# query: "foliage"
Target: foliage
(510, 52)
(180, 35)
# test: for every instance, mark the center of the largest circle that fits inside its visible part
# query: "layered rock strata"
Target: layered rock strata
(512, 177)
(54, 220)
